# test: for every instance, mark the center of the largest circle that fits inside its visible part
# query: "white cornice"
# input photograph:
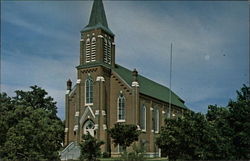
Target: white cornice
(135, 84)
(100, 79)
(78, 81)
(100, 36)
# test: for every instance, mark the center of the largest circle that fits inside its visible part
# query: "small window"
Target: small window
(89, 91)
(87, 51)
(109, 53)
(93, 49)
(121, 108)
(156, 116)
(155, 120)
(105, 50)
(143, 117)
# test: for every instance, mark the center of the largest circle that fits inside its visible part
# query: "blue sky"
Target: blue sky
(40, 45)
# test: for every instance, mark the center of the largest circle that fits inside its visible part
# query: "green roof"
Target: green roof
(149, 87)
(98, 18)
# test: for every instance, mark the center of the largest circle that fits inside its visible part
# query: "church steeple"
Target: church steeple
(98, 18)
(97, 40)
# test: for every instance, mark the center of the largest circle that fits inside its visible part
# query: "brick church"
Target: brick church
(106, 93)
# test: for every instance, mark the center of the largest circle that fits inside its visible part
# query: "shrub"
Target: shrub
(105, 155)
(136, 155)
(90, 148)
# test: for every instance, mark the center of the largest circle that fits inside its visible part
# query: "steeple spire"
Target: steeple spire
(98, 18)
(98, 15)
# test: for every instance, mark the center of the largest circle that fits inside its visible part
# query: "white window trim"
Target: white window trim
(119, 120)
(87, 104)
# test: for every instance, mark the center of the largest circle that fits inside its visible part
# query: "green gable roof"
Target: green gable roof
(149, 87)
(98, 18)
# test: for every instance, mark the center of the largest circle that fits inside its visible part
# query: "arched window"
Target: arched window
(153, 120)
(93, 49)
(143, 119)
(89, 91)
(109, 53)
(156, 120)
(89, 127)
(105, 47)
(87, 51)
(121, 108)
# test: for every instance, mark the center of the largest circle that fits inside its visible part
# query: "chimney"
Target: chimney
(69, 84)
(135, 75)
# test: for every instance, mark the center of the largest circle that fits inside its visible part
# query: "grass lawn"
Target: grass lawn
(148, 159)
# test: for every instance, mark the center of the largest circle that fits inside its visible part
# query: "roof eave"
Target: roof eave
(99, 26)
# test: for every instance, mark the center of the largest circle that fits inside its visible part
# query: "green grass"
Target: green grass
(148, 159)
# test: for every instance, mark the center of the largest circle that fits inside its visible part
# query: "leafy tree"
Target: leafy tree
(90, 148)
(29, 127)
(239, 121)
(218, 117)
(190, 137)
(5, 115)
(124, 134)
(169, 139)
(223, 133)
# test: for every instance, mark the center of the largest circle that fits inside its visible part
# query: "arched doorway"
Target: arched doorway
(89, 127)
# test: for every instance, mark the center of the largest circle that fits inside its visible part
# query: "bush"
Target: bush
(124, 134)
(90, 148)
(105, 155)
(136, 155)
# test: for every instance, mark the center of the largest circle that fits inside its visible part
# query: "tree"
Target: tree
(218, 117)
(5, 116)
(239, 120)
(90, 148)
(222, 134)
(190, 137)
(124, 134)
(169, 139)
(29, 127)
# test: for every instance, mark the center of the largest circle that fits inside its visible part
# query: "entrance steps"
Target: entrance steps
(71, 152)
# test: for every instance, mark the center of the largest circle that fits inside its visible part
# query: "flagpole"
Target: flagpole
(170, 79)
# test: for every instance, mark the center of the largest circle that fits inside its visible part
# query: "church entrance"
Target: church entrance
(89, 127)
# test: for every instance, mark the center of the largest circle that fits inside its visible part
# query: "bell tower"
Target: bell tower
(97, 40)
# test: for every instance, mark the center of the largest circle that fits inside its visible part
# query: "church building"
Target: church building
(106, 93)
